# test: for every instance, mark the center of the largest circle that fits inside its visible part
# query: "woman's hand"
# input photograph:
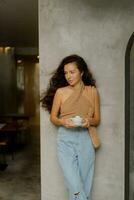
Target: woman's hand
(86, 123)
(68, 123)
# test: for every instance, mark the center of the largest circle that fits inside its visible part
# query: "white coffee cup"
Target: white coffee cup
(77, 120)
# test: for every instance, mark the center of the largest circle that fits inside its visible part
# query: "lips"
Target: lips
(70, 80)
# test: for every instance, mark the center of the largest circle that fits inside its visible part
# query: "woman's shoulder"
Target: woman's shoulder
(89, 87)
(62, 90)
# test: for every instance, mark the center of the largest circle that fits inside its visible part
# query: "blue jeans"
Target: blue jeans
(76, 157)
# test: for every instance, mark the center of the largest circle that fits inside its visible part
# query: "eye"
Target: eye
(72, 72)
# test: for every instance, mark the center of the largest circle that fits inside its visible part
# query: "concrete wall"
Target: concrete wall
(99, 32)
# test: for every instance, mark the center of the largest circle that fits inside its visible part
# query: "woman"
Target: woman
(69, 95)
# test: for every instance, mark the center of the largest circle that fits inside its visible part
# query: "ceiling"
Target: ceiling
(19, 23)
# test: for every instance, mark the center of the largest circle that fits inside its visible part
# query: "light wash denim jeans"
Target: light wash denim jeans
(76, 157)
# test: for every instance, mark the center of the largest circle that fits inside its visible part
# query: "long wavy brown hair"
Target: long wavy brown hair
(58, 79)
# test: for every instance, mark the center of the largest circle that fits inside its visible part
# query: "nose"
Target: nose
(68, 76)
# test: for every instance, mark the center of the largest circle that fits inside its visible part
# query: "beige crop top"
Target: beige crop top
(78, 103)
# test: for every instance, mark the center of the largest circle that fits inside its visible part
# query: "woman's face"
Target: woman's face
(72, 74)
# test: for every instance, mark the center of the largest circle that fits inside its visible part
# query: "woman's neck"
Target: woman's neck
(77, 85)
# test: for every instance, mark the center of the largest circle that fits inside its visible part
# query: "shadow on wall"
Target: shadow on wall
(129, 118)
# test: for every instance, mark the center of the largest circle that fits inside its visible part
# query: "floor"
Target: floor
(21, 179)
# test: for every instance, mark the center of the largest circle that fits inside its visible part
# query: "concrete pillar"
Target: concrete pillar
(98, 31)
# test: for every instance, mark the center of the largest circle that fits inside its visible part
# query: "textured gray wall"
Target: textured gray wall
(98, 31)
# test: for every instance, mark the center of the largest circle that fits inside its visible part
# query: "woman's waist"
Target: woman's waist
(70, 115)
(72, 135)
(78, 130)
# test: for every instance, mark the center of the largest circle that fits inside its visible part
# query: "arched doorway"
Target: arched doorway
(129, 120)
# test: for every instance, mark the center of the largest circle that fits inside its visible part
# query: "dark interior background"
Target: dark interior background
(19, 96)
(19, 23)
(19, 31)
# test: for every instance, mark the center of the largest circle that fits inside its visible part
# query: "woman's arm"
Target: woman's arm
(55, 108)
(95, 120)
(55, 111)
